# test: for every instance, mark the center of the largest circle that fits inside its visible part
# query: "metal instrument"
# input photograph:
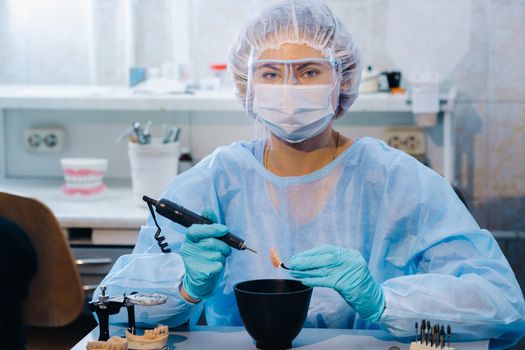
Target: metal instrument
(105, 306)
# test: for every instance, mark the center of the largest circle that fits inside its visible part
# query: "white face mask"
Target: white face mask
(294, 112)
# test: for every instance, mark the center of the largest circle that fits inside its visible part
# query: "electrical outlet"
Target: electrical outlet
(408, 139)
(44, 139)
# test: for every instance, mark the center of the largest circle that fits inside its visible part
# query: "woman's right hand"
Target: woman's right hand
(204, 257)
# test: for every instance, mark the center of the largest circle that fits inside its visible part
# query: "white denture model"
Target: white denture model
(153, 339)
(114, 343)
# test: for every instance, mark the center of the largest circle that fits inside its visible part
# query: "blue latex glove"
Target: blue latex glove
(204, 257)
(345, 271)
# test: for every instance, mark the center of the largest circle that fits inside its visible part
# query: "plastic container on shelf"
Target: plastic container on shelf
(369, 80)
(219, 71)
(153, 166)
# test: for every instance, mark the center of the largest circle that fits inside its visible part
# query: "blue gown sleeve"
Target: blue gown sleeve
(455, 272)
(148, 270)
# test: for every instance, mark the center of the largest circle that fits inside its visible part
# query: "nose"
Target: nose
(289, 74)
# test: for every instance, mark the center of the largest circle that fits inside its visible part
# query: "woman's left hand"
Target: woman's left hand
(345, 271)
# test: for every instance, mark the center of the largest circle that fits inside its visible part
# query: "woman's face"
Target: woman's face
(293, 64)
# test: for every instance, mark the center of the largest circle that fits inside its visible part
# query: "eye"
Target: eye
(270, 75)
(310, 73)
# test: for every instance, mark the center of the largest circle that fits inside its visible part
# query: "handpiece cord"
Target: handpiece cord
(161, 240)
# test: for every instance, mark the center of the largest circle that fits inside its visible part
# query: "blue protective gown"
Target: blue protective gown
(421, 243)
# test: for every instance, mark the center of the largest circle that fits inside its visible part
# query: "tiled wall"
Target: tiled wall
(490, 114)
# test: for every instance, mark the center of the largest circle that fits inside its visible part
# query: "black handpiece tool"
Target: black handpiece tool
(186, 218)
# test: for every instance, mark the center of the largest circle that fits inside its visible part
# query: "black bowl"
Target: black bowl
(273, 311)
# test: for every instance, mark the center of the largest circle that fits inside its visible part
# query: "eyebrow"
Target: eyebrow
(270, 65)
(306, 64)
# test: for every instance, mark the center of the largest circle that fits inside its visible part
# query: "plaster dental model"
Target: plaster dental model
(114, 343)
(153, 339)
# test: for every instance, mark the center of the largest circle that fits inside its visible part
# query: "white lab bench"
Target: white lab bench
(117, 209)
(105, 98)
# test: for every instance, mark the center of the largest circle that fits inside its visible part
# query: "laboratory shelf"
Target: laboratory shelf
(113, 98)
(121, 98)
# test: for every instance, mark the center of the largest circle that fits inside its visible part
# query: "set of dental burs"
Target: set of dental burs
(430, 337)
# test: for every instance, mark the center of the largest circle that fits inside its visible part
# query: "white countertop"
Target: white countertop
(117, 209)
(122, 98)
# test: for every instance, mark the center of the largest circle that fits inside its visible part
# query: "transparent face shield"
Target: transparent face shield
(305, 71)
(292, 94)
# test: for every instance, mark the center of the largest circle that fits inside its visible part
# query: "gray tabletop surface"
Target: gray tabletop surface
(206, 337)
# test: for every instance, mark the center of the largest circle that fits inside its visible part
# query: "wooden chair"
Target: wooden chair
(56, 296)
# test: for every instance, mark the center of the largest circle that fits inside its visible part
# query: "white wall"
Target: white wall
(44, 45)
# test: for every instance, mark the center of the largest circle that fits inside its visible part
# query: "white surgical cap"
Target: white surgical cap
(303, 22)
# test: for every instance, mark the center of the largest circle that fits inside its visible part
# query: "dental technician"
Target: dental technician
(384, 239)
